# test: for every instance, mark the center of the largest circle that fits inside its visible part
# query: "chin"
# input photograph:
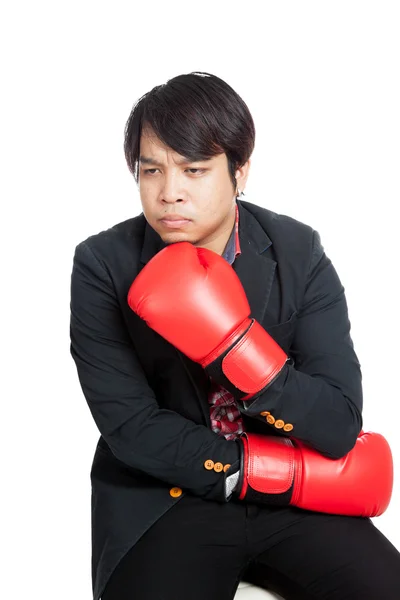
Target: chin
(175, 236)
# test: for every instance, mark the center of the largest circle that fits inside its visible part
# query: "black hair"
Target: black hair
(198, 115)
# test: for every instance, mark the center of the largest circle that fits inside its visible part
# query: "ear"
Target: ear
(242, 174)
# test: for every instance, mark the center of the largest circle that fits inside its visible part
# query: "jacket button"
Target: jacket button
(175, 492)
(218, 467)
(209, 464)
(264, 413)
(279, 424)
(226, 467)
(288, 427)
(271, 419)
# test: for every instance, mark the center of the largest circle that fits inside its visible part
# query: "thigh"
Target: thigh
(196, 550)
(329, 557)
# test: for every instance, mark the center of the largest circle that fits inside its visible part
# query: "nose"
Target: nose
(171, 191)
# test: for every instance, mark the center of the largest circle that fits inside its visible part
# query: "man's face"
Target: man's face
(201, 192)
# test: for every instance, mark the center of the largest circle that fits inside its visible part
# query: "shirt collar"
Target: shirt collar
(232, 248)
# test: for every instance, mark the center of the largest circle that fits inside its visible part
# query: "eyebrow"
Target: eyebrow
(146, 160)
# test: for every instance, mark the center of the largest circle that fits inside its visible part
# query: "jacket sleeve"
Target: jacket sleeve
(156, 441)
(319, 396)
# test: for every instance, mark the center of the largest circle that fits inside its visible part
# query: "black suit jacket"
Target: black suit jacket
(149, 401)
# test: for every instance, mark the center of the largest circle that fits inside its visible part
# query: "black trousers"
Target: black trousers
(200, 550)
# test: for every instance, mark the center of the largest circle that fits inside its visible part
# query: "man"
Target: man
(175, 510)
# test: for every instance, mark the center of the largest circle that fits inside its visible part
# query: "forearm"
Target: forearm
(152, 440)
(172, 449)
(320, 414)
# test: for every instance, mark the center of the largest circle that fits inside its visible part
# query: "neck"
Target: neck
(218, 244)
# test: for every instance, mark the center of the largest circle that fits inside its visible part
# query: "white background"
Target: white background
(321, 80)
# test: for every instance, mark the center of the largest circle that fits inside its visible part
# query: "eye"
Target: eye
(151, 171)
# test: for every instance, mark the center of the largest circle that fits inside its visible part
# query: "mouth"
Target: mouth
(174, 223)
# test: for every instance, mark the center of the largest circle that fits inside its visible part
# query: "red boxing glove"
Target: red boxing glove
(283, 471)
(193, 298)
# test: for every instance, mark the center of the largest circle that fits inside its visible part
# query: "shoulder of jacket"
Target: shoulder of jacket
(130, 231)
(283, 229)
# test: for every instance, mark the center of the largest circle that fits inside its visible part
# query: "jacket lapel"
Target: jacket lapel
(253, 267)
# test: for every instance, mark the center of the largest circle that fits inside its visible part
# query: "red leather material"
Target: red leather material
(359, 484)
(193, 298)
(245, 484)
(270, 466)
(254, 361)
